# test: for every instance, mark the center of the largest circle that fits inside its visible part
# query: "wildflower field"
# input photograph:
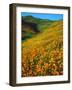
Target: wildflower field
(42, 54)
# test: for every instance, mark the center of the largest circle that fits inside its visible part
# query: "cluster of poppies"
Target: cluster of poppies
(43, 60)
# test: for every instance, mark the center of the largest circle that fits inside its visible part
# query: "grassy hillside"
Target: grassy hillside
(42, 54)
(42, 24)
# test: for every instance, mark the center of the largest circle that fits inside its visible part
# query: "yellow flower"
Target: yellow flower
(40, 61)
(39, 69)
(55, 73)
(46, 65)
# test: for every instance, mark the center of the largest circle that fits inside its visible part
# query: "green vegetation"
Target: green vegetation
(42, 53)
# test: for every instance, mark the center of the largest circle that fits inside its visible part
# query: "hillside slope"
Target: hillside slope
(43, 54)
